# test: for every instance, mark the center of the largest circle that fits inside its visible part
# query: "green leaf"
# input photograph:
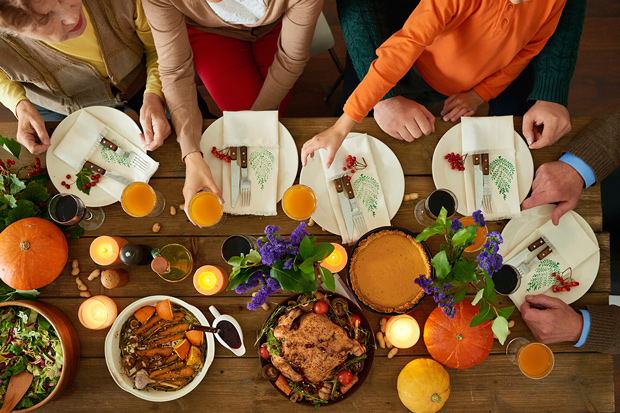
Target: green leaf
(328, 279)
(253, 257)
(290, 280)
(306, 266)
(505, 312)
(16, 184)
(11, 145)
(23, 209)
(482, 316)
(236, 261)
(465, 271)
(500, 328)
(460, 294)
(463, 236)
(83, 177)
(35, 192)
(441, 264)
(429, 232)
(74, 232)
(478, 297)
(489, 288)
(8, 200)
(305, 248)
(442, 218)
(321, 251)
(42, 178)
(241, 275)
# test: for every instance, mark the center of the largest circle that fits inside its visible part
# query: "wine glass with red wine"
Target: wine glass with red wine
(67, 209)
(427, 210)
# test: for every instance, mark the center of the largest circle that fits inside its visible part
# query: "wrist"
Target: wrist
(193, 158)
(21, 106)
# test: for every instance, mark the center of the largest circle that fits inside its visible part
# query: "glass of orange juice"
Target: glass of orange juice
(299, 202)
(141, 200)
(481, 234)
(535, 360)
(206, 209)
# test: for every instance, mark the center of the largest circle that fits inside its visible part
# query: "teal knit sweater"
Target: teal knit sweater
(365, 28)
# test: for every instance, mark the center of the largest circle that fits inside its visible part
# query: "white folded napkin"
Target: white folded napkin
(493, 135)
(570, 245)
(79, 144)
(259, 131)
(365, 182)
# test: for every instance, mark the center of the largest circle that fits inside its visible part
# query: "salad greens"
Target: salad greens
(28, 342)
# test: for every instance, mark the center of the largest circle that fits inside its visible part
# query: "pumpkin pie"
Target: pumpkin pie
(383, 270)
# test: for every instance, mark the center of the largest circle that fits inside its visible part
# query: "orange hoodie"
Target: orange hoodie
(457, 45)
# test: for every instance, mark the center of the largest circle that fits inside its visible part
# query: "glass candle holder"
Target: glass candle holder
(210, 279)
(106, 250)
(403, 331)
(337, 260)
(97, 312)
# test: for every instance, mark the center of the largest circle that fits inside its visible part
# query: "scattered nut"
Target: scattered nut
(392, 352)
(75, 271)
(380, 339)
(156, 227)
(96, 273)
(310, 222)
(173, 210)
(511, 323)
(382, 324)
(410, 197)
(265, 307)
(181, 207)
(75, 263)
(323, 229)
(80, 284)
(388, 344)
(85, 294)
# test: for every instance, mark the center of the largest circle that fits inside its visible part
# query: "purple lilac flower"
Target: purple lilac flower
(263, 294)
(298, 234)
(268, 255)
(253, 281)
(259, 243)
(479, 218)
(271, 229)
(456, 225)
(441, 294)
(288, 264)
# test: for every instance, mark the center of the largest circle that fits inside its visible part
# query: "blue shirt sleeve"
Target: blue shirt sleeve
(580, 166)
(586, 328)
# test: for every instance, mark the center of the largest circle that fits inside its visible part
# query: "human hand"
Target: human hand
(31, 132)
(404, 119)
(329, 140)
(545, 123)
(555, 182)
(154, 122)
(551, 320)
(197, 177)
(461, 104)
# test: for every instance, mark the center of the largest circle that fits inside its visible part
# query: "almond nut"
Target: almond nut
(85, 294)
(173, 210)
(156, 227)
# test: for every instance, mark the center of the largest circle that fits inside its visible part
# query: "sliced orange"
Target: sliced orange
(182, 349)
(195, 337)
(164, 310)
(194, 356)
(144, 313)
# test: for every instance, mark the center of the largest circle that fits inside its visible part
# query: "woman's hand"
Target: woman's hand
(197, 177)
(329, 140)
(31, 132)
(154, 122)
(461, 104)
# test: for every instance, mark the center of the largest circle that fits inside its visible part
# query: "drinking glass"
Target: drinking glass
(235, 245)
(206, 210)
(299, 202)
(427, 210)
(507, 280)
(535, 360)
(67, 209)
(141, 200)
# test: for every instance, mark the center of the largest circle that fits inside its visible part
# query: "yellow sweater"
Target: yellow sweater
(86, 48)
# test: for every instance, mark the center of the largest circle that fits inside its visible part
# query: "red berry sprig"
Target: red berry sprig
(223, 154)
(562, 285)
(456, 161)
(352, 165)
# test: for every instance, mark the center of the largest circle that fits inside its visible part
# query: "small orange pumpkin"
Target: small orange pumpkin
(33, 252)
(455, 344)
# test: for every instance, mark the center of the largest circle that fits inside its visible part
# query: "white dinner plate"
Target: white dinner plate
(287, 163)
(390, 174)
(519, 232)
(445, 177)
(117, 120)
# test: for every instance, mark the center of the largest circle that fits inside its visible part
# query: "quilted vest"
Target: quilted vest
(64, 84)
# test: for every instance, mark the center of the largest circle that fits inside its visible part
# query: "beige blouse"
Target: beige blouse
(168, 19)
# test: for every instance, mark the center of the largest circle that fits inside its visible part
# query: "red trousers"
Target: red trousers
(233, 70)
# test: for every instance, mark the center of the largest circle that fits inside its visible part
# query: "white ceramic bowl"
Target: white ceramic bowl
(113, 352)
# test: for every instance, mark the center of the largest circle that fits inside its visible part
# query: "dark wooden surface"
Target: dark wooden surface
(580, 381)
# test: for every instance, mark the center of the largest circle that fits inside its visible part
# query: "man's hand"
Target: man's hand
(555, 182)
(154, 122)
(197, 177)
(461, 104)
(329, 140)
(404, 119)
(545, 123)
(551, 320)
(31, 132)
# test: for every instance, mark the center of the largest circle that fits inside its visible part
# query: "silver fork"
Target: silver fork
(487, 203)
(358, 218)
(246, 185)
(132, 158)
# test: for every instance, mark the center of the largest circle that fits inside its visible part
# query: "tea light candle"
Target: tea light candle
(97, 312)
(402, 331)
(210, 279)
(337, 260)
(106, 250)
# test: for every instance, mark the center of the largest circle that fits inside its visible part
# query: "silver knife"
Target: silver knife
(520, 257)
(527, 267)
(113, 175)
(477, 182)
(345, 207)
(235, 176)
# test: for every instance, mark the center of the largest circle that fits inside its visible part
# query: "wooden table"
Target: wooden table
(580, 381)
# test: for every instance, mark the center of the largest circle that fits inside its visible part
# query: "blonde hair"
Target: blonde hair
(16, 15)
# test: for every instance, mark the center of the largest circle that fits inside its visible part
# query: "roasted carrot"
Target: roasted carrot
(163, 351)
(152, 321)
(283, 385)
(175, 328)
(177, 374)
(167, 339)
(171, 367)
(171, 358)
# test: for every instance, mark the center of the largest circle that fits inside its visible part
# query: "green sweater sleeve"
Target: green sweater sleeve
(555, 64)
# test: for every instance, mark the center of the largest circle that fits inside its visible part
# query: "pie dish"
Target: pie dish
(383, 268)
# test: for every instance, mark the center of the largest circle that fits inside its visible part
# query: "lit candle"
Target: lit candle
(209, 280)
(106, 250)
(402, 331)
(97, 312)
(337, 260)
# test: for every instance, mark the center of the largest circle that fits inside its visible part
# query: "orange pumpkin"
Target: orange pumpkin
(33, 252)
(452, 342)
